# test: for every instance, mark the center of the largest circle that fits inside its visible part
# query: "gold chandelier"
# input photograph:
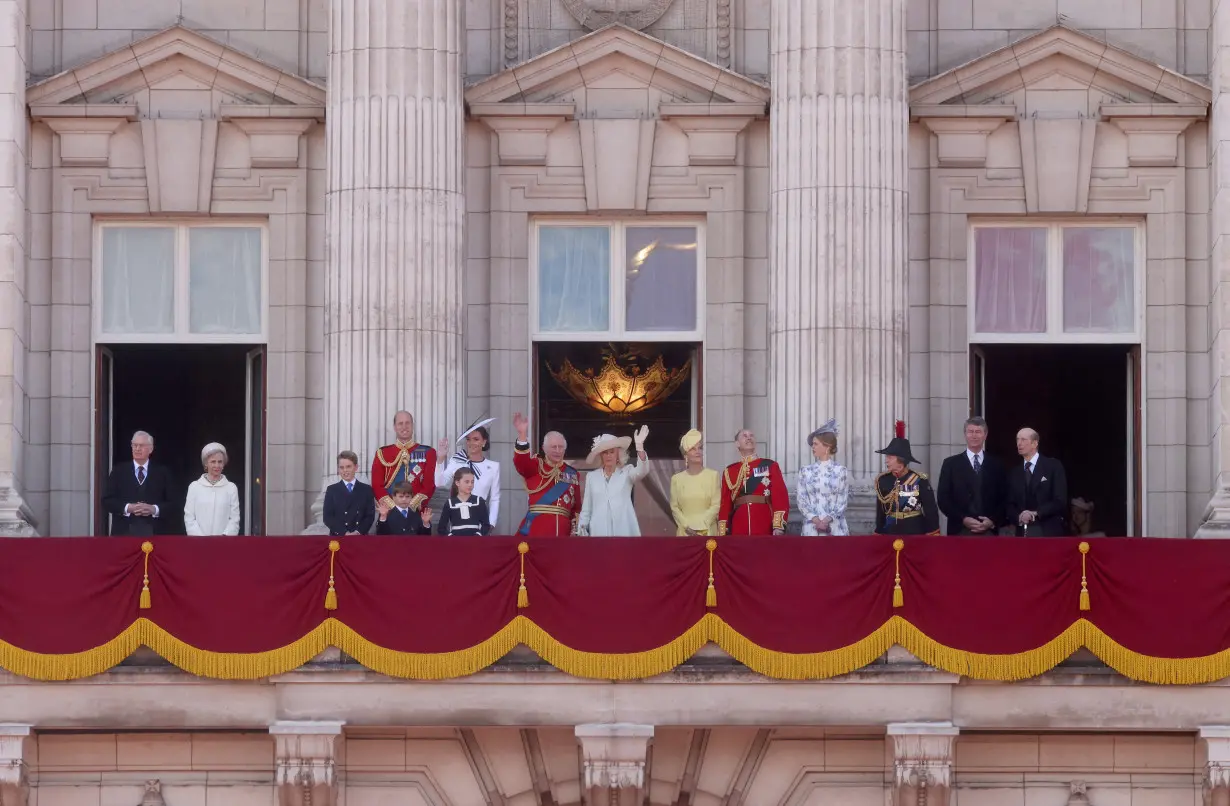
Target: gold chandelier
(620, 391)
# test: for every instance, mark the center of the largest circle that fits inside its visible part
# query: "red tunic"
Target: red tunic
(404, 462)
(754, 498)
(555, 495)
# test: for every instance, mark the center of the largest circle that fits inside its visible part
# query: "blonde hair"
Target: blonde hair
(829, 439)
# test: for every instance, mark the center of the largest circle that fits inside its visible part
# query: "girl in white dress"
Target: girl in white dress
(606, 509)
(471, 447)
(824, 486)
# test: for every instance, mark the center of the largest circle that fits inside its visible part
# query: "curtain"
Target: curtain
(1098, 279)
(661, 278)
(574, 279)
(1010, 280)
(225, 280)
(138, 277)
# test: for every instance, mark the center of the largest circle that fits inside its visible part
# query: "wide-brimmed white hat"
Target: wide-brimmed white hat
(605, 442)
(479, 423)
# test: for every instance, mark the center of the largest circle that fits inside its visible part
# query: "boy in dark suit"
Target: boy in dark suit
(350, 507)
(401, 518)
(137, 494)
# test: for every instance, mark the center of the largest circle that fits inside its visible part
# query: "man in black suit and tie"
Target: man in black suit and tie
(350, 507)
(972, 486)
(1037, 491)
(137, 492)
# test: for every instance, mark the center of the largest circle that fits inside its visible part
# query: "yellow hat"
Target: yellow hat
(690, 440)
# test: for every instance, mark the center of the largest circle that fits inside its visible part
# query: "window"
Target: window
(180, 283)
(633, 280)
(1063, 282)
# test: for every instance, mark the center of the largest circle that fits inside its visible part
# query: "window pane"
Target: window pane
(661, 278)
(574, 279)
(1099, 288)
(138, 279)
(224, 289)
(1009, 280)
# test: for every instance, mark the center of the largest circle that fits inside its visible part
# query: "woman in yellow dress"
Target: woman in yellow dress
(695, 493)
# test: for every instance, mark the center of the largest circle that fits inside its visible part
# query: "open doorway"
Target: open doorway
(186, 396)
(1084, 401)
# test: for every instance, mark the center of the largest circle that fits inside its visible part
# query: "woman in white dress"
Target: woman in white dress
(824, 486)
(606, 509)
(471, 452)
(212, 507)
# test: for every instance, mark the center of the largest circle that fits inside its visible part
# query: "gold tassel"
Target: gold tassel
(898, 596)
(331, 594)
(1084, 600)
(523, 596)
(145, 603)
(711, 592)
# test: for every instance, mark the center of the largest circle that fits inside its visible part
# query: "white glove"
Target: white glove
(582, 531)
(640, 436)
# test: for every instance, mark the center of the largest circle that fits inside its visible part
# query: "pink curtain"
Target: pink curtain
(1010, 280)
(1098, 289)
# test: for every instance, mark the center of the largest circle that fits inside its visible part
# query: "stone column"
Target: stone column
(15, 516)
(1216, 740)
(837, 243)
(1217, 515)
(613, 759)
(15, 750)
(395, 210)
(306, 762)
(922, 753)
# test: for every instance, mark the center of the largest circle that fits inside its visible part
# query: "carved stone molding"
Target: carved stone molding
(636, 14)
(962, 131)
(923, 754)
(153, 794)
(85, 142)
(512, 32)
(616, 160)
(274, 142)
(1153, 130)
(1077, 795)
(522, 129)
(1216, 740)
(306, 759)
(1047, 146)
(15, 749)
(614, 762)
(712, 129)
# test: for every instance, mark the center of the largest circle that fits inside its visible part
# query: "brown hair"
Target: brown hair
(461, 472)
(403, 487)
(349, 456)
(829, 439)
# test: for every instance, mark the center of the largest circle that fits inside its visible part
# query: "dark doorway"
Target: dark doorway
(186, 396)
(1083, 402)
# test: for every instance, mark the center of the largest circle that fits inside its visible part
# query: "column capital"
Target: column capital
(305, 756)
(15, 749)
(922, 753)
(1216, 740)
(614, 760)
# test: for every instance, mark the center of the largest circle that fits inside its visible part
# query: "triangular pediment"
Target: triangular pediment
(617, 59)
(1060, 59)
(177, 59)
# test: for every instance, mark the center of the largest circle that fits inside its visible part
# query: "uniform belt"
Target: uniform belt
(751, 499)
(546, 509)
(913, 513)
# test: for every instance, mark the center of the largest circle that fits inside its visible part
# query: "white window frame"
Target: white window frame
(182, 333)
(1054, 333)
(618, 302)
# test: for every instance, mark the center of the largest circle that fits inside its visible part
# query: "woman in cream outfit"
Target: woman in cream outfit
(212, 507)
(695, 492)
(606, 509)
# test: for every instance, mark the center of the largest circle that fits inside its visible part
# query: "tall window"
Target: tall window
(618, 281)
(1061, 282)
(180, 283)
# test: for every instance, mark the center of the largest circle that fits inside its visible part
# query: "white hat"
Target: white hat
(477, 425)
(605, 442)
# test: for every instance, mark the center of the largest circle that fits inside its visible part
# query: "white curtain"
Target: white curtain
(138, 277)
(1098, 279)
(574, 279)
(661, 278)
(1010, 280)
(225, 280)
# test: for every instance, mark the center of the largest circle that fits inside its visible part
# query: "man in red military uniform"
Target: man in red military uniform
(754, 496)
(404, 460)
(554, 487)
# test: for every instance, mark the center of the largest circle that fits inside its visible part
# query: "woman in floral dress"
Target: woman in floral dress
(824, 486)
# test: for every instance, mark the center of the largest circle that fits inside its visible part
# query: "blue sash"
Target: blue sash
(549, 498)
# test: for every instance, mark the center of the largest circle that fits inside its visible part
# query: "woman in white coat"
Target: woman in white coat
(212, 507)
(472, 445)
(606, 509)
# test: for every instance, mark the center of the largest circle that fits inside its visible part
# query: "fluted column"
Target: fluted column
(395, 204)
(837, 254)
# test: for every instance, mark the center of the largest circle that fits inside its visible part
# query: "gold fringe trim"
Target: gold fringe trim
(611, 666)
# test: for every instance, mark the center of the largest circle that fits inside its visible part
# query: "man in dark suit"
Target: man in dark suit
(137, 492)
(973, 486)
(350, 506)
(1037, 491)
